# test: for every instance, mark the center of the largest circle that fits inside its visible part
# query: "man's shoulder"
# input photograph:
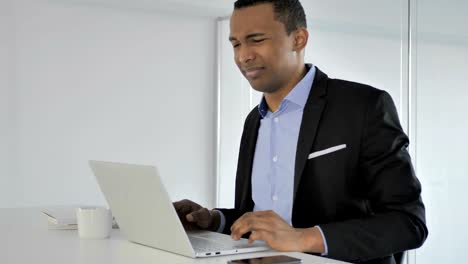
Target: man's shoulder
(340, 86)
(337, 89)
(340, 90)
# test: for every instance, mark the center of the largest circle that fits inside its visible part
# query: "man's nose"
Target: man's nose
(245, 54)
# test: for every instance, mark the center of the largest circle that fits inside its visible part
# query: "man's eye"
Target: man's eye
(235, 45)
(258, 40)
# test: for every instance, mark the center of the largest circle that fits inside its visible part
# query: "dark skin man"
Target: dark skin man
(273, 62)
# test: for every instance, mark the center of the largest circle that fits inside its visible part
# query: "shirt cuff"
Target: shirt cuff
(222, 222)
(324, 241)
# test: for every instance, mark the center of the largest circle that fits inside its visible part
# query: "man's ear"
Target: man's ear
(301, 36)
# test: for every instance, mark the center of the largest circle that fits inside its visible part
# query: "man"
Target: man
(323, 164)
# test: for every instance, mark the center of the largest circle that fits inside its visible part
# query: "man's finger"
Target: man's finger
(260, 235)
(263, 213)
(251, 223)
(189, 217)
(180, 204)
(202, 217)
(241, 220)
(257, 220)
(256, 215)
(186, 205)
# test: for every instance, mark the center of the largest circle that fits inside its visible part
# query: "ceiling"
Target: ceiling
(381, 13)
(204, 8)
(369, 15)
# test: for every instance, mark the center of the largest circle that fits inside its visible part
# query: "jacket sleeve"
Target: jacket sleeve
(230, 216)
(397, 220)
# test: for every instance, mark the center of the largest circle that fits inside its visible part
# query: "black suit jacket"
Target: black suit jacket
(365, 197)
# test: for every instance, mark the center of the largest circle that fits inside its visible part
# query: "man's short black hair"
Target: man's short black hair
(289, 12)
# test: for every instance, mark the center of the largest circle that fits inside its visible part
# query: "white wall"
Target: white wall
(361, 42)
(108, 84)
(442, 127)
(441, 149)
(6, 81)
(359, 57)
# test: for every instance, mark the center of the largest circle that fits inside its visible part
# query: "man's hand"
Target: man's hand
(279, 235)
(194, 217)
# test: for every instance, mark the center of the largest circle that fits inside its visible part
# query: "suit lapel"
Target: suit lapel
(313, 109)
(251, 143)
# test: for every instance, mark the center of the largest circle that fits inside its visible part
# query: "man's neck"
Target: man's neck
(274, 99)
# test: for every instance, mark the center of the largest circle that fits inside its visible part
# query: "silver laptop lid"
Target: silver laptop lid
(141, 206)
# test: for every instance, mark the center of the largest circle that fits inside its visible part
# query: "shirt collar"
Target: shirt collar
(298, 95)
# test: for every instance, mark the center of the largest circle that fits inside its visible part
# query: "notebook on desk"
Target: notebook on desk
(146, 215)
(60, 217)
(64, 217)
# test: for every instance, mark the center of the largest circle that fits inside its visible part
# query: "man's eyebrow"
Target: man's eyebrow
(252, 35)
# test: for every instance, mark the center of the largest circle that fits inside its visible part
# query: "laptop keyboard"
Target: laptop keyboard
(204, 245)
(212, 242)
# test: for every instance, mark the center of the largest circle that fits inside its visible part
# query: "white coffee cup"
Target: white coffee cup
(94, 222)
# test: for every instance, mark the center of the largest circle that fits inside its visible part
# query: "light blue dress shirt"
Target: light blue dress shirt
(275, 152)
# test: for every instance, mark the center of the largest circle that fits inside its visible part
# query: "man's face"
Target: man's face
(263, 51)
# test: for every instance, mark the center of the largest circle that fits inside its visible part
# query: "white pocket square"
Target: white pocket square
(326, 151)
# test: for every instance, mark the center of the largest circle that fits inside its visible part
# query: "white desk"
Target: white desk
(24, 238)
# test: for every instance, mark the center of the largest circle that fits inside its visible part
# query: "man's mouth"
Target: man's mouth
(254, 72)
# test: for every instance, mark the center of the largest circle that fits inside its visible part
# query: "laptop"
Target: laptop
(146, 215)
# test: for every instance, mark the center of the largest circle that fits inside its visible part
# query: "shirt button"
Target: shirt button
(276, 119)
(275, 198)
(275, 158)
